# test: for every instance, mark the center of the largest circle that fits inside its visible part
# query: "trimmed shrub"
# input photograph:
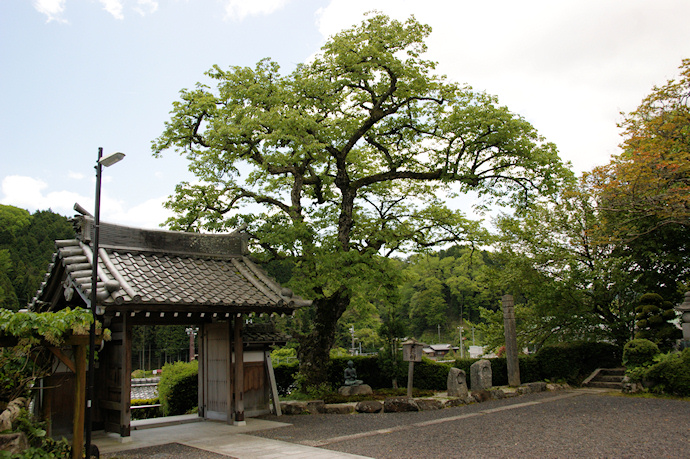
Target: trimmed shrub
(639, 352)
(178, 387)
(428, 375)
(671, 374)
(573, 362)
(148, 412)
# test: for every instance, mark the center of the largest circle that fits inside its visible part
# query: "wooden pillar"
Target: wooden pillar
(126, 378)
(79, 401)
(201, 381)
(239, 372)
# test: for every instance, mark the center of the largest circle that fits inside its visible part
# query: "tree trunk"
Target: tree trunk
(314, 348)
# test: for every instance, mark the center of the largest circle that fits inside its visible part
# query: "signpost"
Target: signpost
(412, 352)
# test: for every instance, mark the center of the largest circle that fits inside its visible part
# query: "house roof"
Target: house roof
(161, 271)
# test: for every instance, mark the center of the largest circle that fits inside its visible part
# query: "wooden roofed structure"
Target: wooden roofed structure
(159, 277)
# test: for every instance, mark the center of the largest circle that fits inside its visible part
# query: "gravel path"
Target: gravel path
(561, 424)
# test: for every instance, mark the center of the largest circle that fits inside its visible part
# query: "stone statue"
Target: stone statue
(351, 375)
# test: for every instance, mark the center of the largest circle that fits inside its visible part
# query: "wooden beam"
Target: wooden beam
(79, 401)
(272, 381)
(63, 358)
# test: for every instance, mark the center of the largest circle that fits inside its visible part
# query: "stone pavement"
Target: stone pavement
(213, 436)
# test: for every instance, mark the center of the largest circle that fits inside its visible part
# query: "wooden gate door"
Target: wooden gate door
(115, 387)
(216, 372)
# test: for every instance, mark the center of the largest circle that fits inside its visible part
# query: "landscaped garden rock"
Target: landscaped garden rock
(427, 404)
(369, 406)
(362, 389)
(400, 404)
(339, 408)
(302, 407)
(458, 402)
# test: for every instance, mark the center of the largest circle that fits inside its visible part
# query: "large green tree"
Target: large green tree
(644, 192)
(570, 277)
(351, 157)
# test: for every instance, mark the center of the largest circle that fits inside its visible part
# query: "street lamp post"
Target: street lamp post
(106, 161)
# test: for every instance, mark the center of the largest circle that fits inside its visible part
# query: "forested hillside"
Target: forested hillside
(27, 243)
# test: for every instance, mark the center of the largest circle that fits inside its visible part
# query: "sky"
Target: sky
(79, 75)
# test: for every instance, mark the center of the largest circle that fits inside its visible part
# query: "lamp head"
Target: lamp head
(111, 159)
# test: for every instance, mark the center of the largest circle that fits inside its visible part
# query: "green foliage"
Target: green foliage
(285, 374)
(148, 412)
(352, 156)
(27, 243)
(639, 353)
(575, 361)
(669, 374)
(178, 387)
(40, 446)
(654, 316)
(26, 362)
(31, 327)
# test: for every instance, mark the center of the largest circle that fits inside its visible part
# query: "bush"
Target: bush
(148, 412)
(285, 377)
(671, 373)
(573, 362)
(639, 352)
(178, 387)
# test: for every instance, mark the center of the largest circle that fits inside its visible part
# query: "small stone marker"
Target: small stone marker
(480, 375)
(457, 383)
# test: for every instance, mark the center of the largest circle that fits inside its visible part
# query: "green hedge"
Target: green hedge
(178, 387)
(571, 362)
(148, 412)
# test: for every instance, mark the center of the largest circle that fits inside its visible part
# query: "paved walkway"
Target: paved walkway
(213, 436)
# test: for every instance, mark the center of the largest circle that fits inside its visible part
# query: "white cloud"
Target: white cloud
(32, 194)
(145, 7)
(240, 9)
(29, 193)
(51, 8)
(113, 7)
(149, 214)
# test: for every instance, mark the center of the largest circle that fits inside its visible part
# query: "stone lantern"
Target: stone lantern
(684, 310)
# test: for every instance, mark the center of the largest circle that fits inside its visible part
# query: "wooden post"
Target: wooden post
(126, 378)
(410, 375)
(272, 381)
(239, 372)
(79, 400)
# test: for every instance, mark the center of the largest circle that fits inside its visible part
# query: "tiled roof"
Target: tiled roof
(160, 270)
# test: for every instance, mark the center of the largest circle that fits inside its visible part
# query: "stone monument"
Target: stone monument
(480, 375)
(353, 386)
(457, 383)
(512, 361)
